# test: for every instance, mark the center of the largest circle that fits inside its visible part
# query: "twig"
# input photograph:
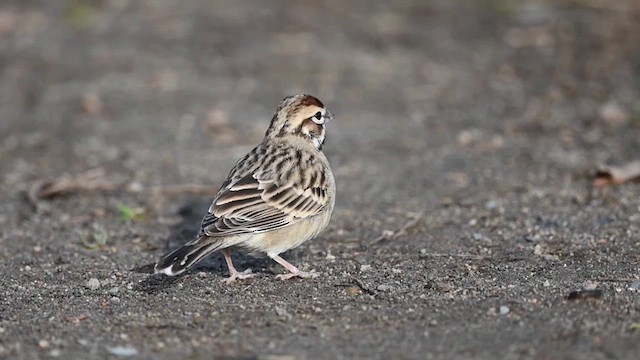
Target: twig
(87, 181)
(364, 288)
(93, 181)
(393, 235)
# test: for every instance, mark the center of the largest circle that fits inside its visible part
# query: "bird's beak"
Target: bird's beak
(328, 116)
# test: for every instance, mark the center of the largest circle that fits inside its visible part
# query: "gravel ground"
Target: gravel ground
(465, 140)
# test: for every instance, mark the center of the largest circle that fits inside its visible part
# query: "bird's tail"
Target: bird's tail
(181, 259)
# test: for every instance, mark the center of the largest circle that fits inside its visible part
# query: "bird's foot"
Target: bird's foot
(300, 274)
(237, 275)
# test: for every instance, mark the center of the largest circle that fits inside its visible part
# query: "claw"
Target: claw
(236, 275)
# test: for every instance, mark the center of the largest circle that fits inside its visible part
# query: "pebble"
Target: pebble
(614, 114)
(491, 204)
(635, 285)
(27, 268)
(537, 250)
(43, 344)
(481, 237)
(115, 300)
(55, 353)
(282, 312)
(383, 287)
(364, 268)
(504, 310)
(113, 290)
(93, 284)
(122, 351)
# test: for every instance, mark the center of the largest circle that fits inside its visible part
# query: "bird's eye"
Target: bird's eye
(317, 117)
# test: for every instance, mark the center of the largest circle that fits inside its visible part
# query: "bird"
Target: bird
(278, 196)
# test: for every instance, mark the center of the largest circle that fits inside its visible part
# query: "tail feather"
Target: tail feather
(181, 259)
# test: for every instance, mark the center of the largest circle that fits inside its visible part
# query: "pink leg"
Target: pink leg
(234, 274)
(294, 271)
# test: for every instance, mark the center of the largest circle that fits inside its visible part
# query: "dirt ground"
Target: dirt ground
(464, 145)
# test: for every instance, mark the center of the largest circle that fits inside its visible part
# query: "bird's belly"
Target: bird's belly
(281, 240)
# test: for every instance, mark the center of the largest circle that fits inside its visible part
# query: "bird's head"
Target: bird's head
(300, 115)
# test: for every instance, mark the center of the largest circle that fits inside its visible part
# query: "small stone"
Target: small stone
(93, 284)
(613, 114)
(115, 300)
(364, 268)
(113, 290)
(330, 256)
(27, 268)
(491, 204)
(537, 250)
(383, 287)
(122, 351)
(55, 353)
(590, 285)
(504, 310)
(83, 342)
(546, 283)
(43, 344)
(635, 285)
(481, 237)
(283, 313)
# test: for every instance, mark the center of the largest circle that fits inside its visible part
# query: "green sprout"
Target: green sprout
(128, 214)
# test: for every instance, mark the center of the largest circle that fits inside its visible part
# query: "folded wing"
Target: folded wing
(262, 201)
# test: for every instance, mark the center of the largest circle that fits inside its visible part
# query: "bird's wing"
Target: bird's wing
(261, 200)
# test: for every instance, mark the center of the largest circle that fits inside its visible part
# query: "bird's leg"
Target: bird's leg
(293, 271)
(234, 274)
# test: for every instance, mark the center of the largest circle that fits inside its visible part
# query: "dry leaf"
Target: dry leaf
(614, 175)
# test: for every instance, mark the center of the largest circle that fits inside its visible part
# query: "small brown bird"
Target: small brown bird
(275, 198)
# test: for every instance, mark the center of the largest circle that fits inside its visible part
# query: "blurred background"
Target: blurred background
(170, 92)
(479, 122)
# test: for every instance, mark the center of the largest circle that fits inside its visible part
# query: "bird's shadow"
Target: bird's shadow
(191, 213)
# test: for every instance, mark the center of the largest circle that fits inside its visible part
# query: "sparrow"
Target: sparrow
(275, 198)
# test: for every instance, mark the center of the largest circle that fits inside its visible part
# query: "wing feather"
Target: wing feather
(255, 200)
